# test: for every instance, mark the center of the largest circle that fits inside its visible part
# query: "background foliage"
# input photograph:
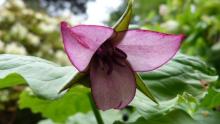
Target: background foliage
(186, 87)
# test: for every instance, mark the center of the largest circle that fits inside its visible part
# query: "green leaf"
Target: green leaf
(212, 99)
(182, 74)
(123, 23)
(45, 78)
(149, 109)
(88, 118)
(74, 101)
(108, 117)
(11, 80)
(180, 117)
(206, 117)
(173, 117)
(183, 109)
(186, 103)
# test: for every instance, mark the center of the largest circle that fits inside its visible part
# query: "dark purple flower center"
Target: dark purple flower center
(107, 55)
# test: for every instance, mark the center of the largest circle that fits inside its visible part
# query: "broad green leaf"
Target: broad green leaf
(74, 101)
(180, 117)
(45, 78)
(207, 117)
(123, 23)
(88, 118)
(212, 99)
(182, 74)
(152, 113)
(183, 109)
(11, 80)
(149, 109)
(173, 117)
(108, 117)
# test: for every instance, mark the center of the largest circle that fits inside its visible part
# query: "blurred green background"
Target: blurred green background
(31, 27)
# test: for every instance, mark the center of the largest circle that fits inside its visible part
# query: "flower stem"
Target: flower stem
(95, 110)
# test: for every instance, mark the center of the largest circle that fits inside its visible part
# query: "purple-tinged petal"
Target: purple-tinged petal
(82, 41)
(148, 50)
(112, 90)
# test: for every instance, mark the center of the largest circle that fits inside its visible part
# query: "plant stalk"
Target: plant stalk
(95, 110)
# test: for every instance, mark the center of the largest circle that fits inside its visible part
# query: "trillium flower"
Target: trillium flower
(111, 58)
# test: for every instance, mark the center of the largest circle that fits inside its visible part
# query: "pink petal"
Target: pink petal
(114, 90)
(81, 42)
(148, 50)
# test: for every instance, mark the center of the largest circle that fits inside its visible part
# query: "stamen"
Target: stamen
(110, 68)
(119, 53)
(108, 61)
(120, 61)
(101, 64)
(109, 55)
